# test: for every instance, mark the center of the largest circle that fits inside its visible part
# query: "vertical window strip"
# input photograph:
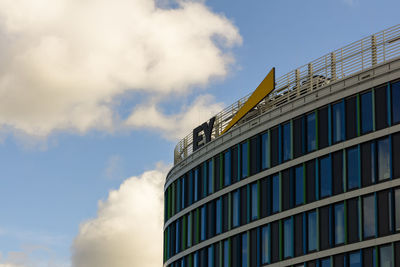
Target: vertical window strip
(291, 139)
(345, 171)
(389, 101)
(330, 124)
(373, 110)
(358, 115)
(316, 130)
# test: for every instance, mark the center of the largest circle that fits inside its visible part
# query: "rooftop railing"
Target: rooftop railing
(355, 57)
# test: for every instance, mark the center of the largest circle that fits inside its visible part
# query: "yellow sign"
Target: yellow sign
(263, 90)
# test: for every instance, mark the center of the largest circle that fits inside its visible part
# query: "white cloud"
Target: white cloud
(175, 126)
(63, 62)
(128, 228)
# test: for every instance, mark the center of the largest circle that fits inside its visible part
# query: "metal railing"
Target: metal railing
(355, 57)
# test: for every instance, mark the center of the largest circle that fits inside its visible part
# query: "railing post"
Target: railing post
(310, 75)
(374, 50)
(333, 66)
(297, 77)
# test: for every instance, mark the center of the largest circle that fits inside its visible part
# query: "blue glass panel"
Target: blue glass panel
(325, 262)
(339, 224)
(286, 142)
(264, 151)
(254, 201)
(189, 230)
(369, 216)
(299, 185)
(383, 159)
(227, 168)
(226, 253)
(196, 184)
(338, 122)
(397, 208)
(386, 256)
(265, 247)
(183, 192)
(311, 132)
(190, 188)
(210, 256)
(244, 148)
(396, 102)
(203, 223)
(326, 176)
(355, 259)
(244, 250)
(275, 193)
(288, 238)
(177, 236)
(235, 209)
(210, 177)
(218, 223)
(366, 112)
(196, 259)
(353, 168)
(312, 231)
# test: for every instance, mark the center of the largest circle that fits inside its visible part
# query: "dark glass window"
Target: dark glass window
(210, 219)
(397, 253)
(338, 260)
(235, 164)
(210, 260)
(265, 197)
(265, 245)
(227, 168)
(243, 205)
(310, 180)
(210, 177)
(312, 231)
(353, 168)
(254, 201)
(286, 141)
(275, 193)
(381, 108)
(366, 113)
(217, 255)
(235, 251)
(298, 137)
(396, 102)
(298, 235)
(369, 216)
(383, 147)
(326, 262)
(351, 117)
(244, 159)
(264, 151)
(338, 122)
(311, 132)
(368, 163)
(275, 241)
(287, 189)
(386, 256)
(196, 259)
(325, 229)
(235, 208)
(218, 219)
(384, 213)
(355, 259)
(353, 220)
(189, 230)
(299, 177)
(339, 224)
(196, 185)
(323, 127)
(226, 253)
(311, 264)
(397, 208)
(225, 213)
(288, 238)
(274, 146)
(254, 249)
(254, 155)
(244, 250)
(191, 188)
(325, 173)
(203, 223)
(337, 172)
(369, 257)
(396, 155)
(217, 175)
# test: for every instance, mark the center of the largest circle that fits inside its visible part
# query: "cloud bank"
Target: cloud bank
(127, 231)
(65, 61)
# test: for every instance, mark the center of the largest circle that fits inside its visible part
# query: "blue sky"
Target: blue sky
(53, 174)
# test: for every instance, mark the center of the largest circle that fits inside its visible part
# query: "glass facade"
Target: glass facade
(265, 247)
(299, 195)
(264, 151)
(235, 209)
(338, 122)
(244, 160)
(311, 132)
(227, 168)
(353, 168)
(275, 194)
(288, 237)
(286, 141)
(369, 216)
(366, 112)
(312, 231)
(254, 201)
(383, 159)
(325, 176)
(397, 209)
(339, 224)
(396, 102)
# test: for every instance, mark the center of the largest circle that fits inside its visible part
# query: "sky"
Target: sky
(95, 94)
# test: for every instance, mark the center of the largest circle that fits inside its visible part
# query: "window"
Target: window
(366, 113)
(265, 247)
(355, 259)
(338, 260)
(299, 234)
(381, 110)
(265, 197)
(254, 249)
(369, 216)
(244, 159)
(189, 230)
(325, 227)
(235, 208)
(264, 151)
(353, 220)
(203, 223)
(235, 164)
(385, 218)
(368, 163)
(210, 177)
(311, 132)
(383, 159)
(210, 262)
(396, 102)
(286, 141)
(190, 187)
(226, 253)
(275, 242)
(396, 155)
(244, 250)
(298, 137)
(275, 193)
(210, 219)
(218, 211)
(217, 255)
(287, 189)
(227, 168)
(339, 224)
(353, 169)
(325, 262)
(299, 176)
(337, 172)
(323, 127)
(254, 201)
(225, 213)
(325, 173)
(397, 208)
(217, 175)
(243, 205)
(312, 231)
(386, 256)
(196, 259)
(369, 257)
(351, 117)
(274, 144)
(254, 155)
(183, 197)
(288, 238)
(338, 122)
(310, 179)
(196, 185)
